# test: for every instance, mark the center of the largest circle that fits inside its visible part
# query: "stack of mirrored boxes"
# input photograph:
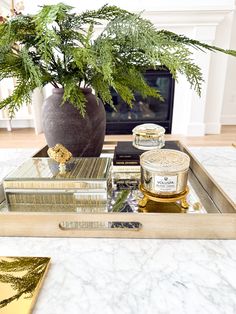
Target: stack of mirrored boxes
(37, 185)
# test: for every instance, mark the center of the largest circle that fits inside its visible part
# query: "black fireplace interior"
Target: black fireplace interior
(149, 110)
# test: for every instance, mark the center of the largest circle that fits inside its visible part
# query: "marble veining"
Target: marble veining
(220, 162)
(133, 276)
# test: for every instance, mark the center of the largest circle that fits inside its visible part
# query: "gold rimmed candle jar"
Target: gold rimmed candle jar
(148, 136)
(164, 172)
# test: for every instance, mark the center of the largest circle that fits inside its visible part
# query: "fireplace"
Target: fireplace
(149, 110)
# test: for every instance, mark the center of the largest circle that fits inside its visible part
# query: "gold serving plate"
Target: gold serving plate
(20, 282)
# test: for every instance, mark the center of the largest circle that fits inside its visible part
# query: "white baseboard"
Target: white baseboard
(196, 129)
(24, 123)
(228, 119)
(212, 128)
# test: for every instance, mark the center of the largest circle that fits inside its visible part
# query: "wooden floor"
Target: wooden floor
(22, 138)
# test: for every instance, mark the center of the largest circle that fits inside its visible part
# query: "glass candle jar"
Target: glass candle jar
(148, 136)
(164, 172)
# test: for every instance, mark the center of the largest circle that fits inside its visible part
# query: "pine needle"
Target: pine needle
(58, 46)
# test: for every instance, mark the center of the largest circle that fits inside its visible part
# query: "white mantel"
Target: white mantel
(204, 20)
(193, 115)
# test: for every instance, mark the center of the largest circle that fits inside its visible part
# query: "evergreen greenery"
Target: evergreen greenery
(58, 46)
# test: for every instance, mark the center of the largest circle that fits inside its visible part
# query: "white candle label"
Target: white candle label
(166, 183)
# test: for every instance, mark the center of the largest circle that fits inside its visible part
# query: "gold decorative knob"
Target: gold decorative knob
(61, 155)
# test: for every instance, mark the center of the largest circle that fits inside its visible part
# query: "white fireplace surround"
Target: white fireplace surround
(205, 20)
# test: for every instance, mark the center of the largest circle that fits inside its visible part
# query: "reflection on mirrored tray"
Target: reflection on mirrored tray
(123, 198)
(93, 185)
(20, 282)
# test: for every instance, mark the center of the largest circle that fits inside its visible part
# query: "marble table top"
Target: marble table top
(220, 162)
(139, 275)
(10, 158)
(116, 276)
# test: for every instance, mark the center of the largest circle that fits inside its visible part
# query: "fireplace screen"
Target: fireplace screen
(149, 110)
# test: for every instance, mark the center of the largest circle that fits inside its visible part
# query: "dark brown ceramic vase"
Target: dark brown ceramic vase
(64, 124)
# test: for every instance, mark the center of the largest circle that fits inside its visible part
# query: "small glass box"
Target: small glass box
(148, 136)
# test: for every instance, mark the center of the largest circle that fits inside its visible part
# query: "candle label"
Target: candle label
(166, 183)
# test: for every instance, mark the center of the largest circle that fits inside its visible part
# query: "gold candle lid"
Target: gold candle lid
(148, 129)
(164, 160)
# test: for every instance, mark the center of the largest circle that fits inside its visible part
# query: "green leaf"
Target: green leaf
(120, 200)
(75, 96)
(58, 46)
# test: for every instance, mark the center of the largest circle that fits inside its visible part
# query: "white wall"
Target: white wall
(228, 115)
(218, 76)
(135, 5)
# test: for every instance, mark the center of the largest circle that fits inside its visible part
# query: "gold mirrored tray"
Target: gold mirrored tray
(211, 213)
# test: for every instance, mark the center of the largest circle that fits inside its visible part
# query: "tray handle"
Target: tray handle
(98, 225)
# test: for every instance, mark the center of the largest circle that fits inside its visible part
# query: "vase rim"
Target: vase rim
(85, 90)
